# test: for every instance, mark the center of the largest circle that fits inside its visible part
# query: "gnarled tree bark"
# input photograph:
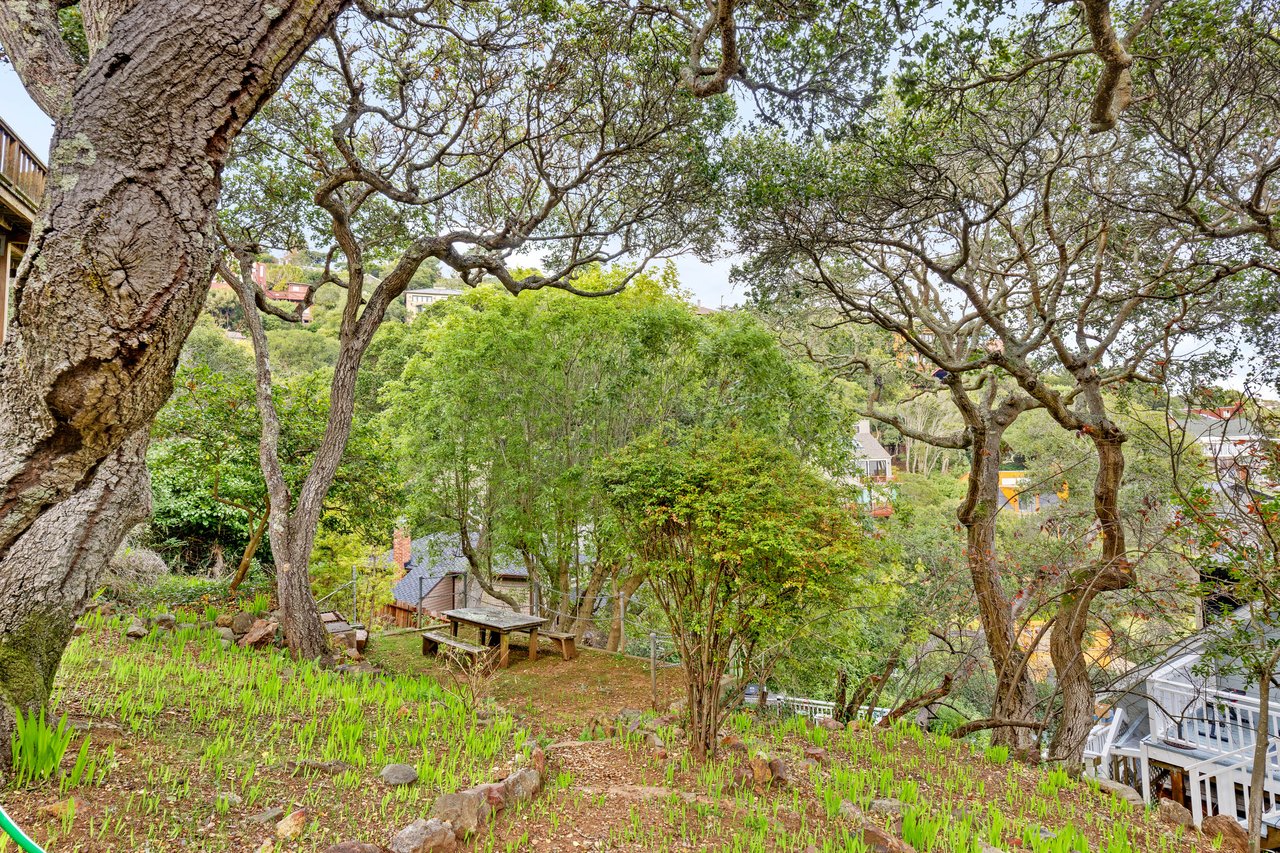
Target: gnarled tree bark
(117, 268)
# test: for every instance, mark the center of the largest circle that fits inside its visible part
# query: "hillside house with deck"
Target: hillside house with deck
(1177, 731)
(22, 178)
(434, 577)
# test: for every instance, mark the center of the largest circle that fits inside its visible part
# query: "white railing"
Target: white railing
(1220, 785)
(814, 709)
(1200, 717)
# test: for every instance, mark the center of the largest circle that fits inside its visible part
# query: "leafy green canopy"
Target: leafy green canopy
(505, 405)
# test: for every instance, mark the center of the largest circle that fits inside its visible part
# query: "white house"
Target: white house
(1182, 734)
(870, 456)
(416, 300)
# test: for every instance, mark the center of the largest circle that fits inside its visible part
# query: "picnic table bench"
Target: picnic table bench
(433, 640)
(567, 643)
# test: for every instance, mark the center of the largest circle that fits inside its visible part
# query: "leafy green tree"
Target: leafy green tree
(208, 486)
(741, 541)
(509, 403)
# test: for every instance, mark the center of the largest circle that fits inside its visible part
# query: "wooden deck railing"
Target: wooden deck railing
(20, 168)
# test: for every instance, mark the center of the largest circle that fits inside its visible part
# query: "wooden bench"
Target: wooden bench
(566, 642)
(433, 640)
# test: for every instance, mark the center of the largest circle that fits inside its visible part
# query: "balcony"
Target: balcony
(22, 178)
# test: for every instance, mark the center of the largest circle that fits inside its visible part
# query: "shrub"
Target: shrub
(133, 568)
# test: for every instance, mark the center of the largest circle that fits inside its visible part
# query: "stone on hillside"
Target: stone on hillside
(260, 634)
(879, 841)
(226, 634)
(886, 806)
(1234, 838)
(224, 620)
(399, 774)
(242, 622)
(653, 741)
(59, 809)
(137, 629)
(497, 794)
(466, 811)
(816, 753)
(1121, 791)
(523, 785)
(425, 836)
(305, 765)
(849, 810)
(538, 760)
(760, 772)
(166, 621)
(830, 724)
(292, 825)
(1175, 814)
(352, 847)
(271, 814)
(231, 798)
(226, 644)
(781, 772)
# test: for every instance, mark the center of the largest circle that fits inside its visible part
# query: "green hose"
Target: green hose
(11, 828)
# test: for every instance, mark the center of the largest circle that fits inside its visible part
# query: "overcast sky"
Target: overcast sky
(709, 283)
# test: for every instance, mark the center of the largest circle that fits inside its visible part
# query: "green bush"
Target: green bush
(37, 748)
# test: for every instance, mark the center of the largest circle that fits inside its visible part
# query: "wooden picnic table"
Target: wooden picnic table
(500, 622)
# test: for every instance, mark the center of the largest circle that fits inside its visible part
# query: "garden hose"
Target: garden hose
(11, 828)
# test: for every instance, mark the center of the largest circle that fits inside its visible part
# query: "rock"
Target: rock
(538, 760)
(226, 634)
(760, 772)
(780, 771)
(660, 754)
(466, 811)
(271, 814)
(241, 623)
(260, 634)
(137, 629)
(849, 810)
(166, 621)
(425, 836)
(653, 741)
(879, 841)
(523, 785)
(329, 768)
(352, 654)
(230, 798)
(59, 809)
(1234, 838)
(399, 774)
(292, 826)
(223, 621)
(352, 847)
(830, 725)
(1174, 814)
(497, 795)
(1122, 791)
(816, 753)
(741, 776)
(187, 626)
(226, 644)
(886, 807)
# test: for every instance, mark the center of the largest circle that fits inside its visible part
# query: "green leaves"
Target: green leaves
(37, 747)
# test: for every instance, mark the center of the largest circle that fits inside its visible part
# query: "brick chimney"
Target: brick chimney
(401, 547)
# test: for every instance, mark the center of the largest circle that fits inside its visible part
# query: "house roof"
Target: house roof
(867, 446)
(1210, 427)
(436, 556)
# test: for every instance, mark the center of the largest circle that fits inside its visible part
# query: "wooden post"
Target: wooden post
(504, 648)
(653, 667)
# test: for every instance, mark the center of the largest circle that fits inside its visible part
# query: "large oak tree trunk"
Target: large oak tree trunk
(118, 266)
(1015, 693)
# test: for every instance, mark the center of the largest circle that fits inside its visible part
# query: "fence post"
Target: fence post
(420, 579)
(355, 610)
(622, 623)
(653, 667)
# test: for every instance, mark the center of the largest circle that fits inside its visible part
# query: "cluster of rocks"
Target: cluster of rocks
(455, 817)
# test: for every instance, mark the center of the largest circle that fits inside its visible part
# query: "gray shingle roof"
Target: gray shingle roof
(434, 557)
(867, 446)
